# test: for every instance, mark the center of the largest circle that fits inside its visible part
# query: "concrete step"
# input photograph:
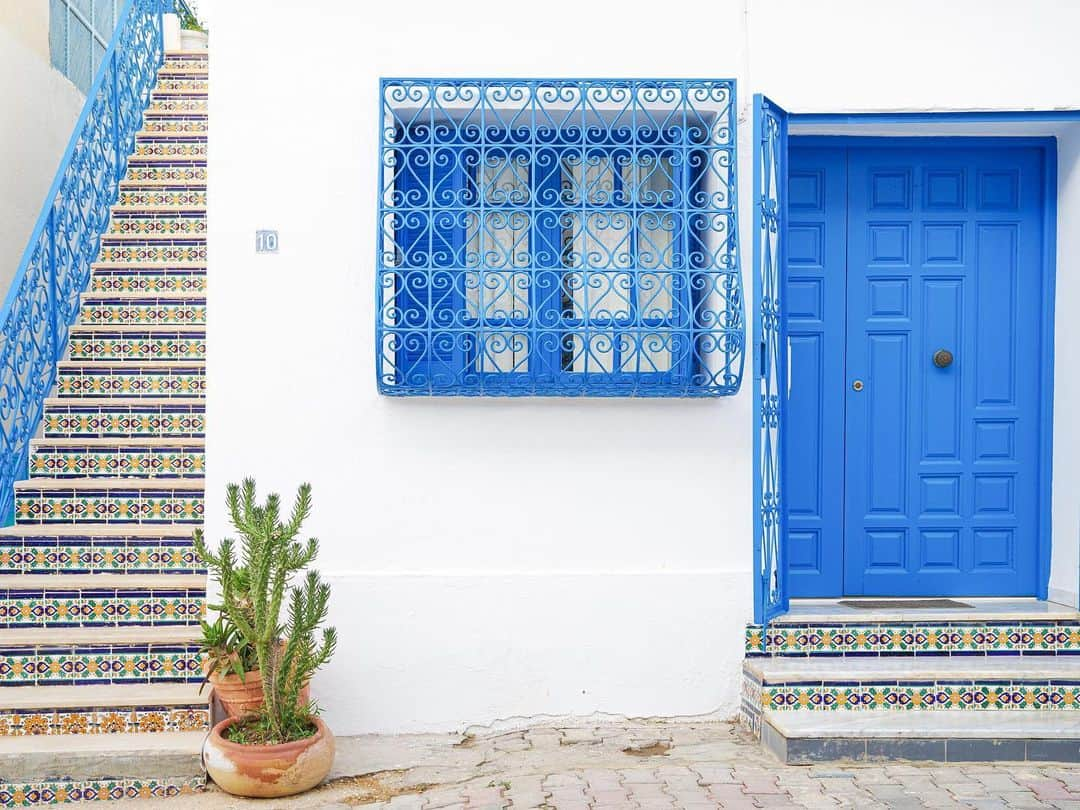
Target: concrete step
(116, 765)
(1020, 735)
(141, 309)
(103, 378)
(109, 500)
(930, 683)
(158, 281)
(123, 418)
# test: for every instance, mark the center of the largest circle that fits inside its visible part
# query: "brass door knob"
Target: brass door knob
(857, 385)
(943, 358)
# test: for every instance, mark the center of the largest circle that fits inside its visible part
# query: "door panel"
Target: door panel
(944, 252)
(815, 259)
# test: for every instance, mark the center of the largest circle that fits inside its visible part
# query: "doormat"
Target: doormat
(903, 604)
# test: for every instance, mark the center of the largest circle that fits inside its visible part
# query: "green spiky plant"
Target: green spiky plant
(188, 19)
(254, 580)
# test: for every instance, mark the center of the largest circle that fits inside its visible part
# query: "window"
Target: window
(558, 237)
(79, 34)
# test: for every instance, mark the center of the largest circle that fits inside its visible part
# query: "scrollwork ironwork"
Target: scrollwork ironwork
(43, 300)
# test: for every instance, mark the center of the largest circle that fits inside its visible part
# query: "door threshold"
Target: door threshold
(902, 609)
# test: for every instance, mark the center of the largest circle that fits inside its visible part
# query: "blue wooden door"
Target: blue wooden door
(944, 258)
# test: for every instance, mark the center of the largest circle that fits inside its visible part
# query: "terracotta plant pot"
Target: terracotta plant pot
(268, 771)
(244, 696)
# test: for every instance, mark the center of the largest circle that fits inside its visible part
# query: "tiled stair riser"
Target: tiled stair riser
(103, 720)
(155, 311)
(34, 794)
(103, 664)
(161, 198)
(112, 607)
(116, 250)
(177, 104)
(160, 125)
(114, 382)
(109, 506)
(151, 282)
(169, 174)
(171, 148)
(98, 555)
(138, 347)
(172, 84)
(136, 224)
(121, 462)
(983, 638)
(906, 696)
(106, 421)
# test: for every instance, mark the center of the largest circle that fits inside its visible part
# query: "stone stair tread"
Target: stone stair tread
(81, 636)
(110, 483)
(777, 671)
(829, 611)
(974, 723)
(152, 756)
(76, 582)
(133, 530)
(135, 328)
(129, 365)
(137, 296)
(120, 402)
(101, 696)
(117, 441)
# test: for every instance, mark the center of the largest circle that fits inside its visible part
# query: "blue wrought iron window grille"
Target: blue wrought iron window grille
(558, 237)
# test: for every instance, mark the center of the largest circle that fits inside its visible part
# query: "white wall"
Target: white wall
(40, 107)
(461, 593)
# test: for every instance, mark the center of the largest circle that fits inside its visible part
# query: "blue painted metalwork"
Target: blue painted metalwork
(43, 299)
(770, 366)
(558, 237)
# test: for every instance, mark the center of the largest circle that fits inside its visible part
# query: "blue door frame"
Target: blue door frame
(832, 586)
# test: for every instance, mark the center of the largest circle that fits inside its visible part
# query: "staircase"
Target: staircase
(992, 680)
(100, 588)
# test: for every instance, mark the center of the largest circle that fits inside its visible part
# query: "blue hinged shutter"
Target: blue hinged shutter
(770, 357)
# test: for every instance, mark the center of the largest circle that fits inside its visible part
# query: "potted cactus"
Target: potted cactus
(282, 747)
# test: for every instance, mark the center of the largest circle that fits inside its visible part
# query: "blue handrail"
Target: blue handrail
(43, 300)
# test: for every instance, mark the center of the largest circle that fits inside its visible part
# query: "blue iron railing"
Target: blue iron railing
(770, 374)
(43, 300)
(558, 237)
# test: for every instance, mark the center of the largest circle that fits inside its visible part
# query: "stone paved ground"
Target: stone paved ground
(641, 765)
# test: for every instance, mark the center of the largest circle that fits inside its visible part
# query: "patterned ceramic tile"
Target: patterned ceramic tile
(167, 175)
(937, 696)
(114, 382)
(152, 252)
(112, 506)
(137, 346)
(104, 720)
(39, 794)
(167, 84)
(164, 125)
(170, 148)
(180, 420)
(113, 607)
(915, 639)
(172, 225)
(161, 198)
(133, 462)
(98, 555)
(160, 311)
(177, 104)
(126, 663)
(169, 280)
